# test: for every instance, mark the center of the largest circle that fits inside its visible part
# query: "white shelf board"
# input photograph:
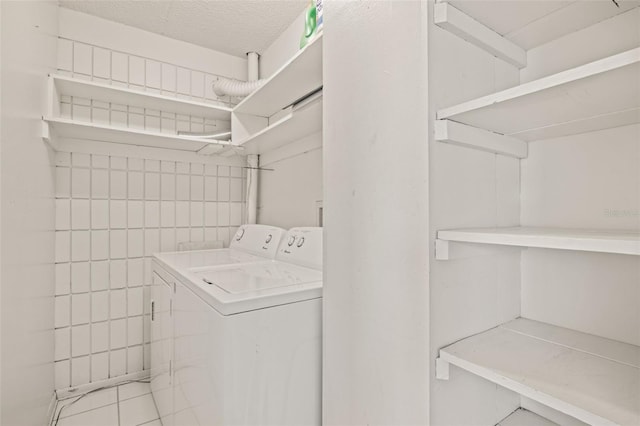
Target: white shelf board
(595, 96)
(63, 128)
(621, 242)
(295, 79)
(581, 375)
(522, 417)
(124, 96)
(294, 126)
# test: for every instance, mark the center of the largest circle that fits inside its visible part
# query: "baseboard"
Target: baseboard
(82, 389)
(52, 408)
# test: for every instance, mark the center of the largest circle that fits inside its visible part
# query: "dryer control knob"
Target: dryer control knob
(300, 242)
(269, 238)
(239, 234)
(291, 241)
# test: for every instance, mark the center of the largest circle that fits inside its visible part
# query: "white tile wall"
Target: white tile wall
(112, 213)
(95, 63)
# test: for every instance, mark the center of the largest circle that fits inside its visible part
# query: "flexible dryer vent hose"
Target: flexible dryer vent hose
(235, 88)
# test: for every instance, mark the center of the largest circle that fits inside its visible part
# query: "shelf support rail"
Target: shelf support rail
(462, 25)
(448, 131)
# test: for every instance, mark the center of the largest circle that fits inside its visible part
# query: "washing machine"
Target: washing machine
(246, 339)
(250, 244)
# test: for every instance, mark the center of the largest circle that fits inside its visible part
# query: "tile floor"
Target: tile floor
(129, 404)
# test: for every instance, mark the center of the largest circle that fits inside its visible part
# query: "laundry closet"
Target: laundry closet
(327, 212)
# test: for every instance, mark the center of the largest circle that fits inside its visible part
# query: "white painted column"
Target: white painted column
(376, 170)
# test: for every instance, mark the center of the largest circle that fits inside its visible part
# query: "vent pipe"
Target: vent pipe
(239, 89)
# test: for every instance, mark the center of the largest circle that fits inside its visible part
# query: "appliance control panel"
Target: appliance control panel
(262, 240)
(302, 246)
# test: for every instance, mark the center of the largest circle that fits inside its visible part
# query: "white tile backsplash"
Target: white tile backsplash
(80, 277)
(99, 214)
(135, 243)
(118, 334)
(118, 303)
(101, 62)
(152, 186)
(62, 311)
(100, 366)
(118, 276)
(117, 362)
(62, 343)
(152, 214)
(63, 214)
(80, 245)
(118, 184)
(119, 67)
(82, 61)
(112, 213)
(99, 306)
(80, 183)
(80, 340)
(118, 214)
(80, 370)
(100, 245)
(63, 278)
(118, 244)
(62, 372)
(135, 214)
(136, 71)
(63, 182)
(99, 276)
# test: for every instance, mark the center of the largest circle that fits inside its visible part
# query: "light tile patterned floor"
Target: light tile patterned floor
(129, 404)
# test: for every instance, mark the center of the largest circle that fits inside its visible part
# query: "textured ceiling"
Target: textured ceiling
(230, 26)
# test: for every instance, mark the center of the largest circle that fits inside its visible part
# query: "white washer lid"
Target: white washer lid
(252, 278)
(208, 258)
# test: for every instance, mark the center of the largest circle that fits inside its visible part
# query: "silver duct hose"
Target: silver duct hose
(235, 88)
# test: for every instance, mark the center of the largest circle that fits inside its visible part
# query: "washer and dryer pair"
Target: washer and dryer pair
(236, 333)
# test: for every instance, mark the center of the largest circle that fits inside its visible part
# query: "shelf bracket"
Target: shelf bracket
(231, 150)
(46, 132)
(442, 369)
(442, 249)
(448, 131)
(452, 250)
(462, 25)
(48, 137)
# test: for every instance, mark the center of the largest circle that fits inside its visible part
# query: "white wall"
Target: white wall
(469, 188)
(289, 191)
(592, 181)
(29, 31)
(118, 204)
(288, 195)
(376, 166)
(283, 48)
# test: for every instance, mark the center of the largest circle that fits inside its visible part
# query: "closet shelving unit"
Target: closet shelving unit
(551, 238)
(584, 376)
(291, 98)
(298, 77)
(590, 378)
(595, 96)
(58, 127)
(303, 119)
